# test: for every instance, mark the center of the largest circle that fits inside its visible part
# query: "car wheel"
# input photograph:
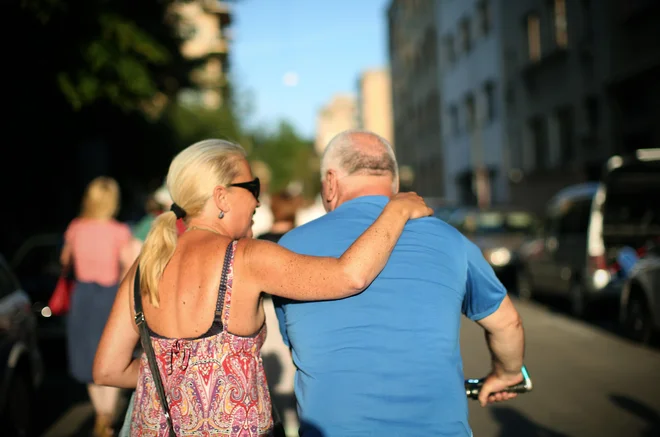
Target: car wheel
(18, 414)
(523, 286)
(638, 324)
(577, 300)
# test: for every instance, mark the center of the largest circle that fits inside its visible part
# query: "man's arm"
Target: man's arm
(487, 303)
(506, 341)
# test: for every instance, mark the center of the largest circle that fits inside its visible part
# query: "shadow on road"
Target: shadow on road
(59, 393)
(604, 316)
(513, 424)
(284, 402)
(648, 415)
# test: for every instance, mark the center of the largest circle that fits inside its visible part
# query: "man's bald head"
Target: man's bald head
(359, 152)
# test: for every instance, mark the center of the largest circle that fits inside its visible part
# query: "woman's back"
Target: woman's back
(189, 288)
(214, 379)
(96, 246)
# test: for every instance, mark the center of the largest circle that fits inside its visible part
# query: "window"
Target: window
(539, 130)
(533, 38)
(587, 20)
(450, 49)
(489, 94)
(560, 23)
(187, 31)
(483, 12)
(593, 113)
(470, 113)
(466, 39)
(566, 133)
(453, 120)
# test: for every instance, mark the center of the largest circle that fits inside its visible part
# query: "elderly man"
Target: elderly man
(387, 362)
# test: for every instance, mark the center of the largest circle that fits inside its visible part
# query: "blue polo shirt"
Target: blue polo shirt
(387, 362)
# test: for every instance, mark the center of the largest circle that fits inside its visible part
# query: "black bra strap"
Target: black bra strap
(137, 298)
(222, 290)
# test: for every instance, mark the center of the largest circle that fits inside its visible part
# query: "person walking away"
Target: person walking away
(387, 362)
(92, 245)
(200, 297)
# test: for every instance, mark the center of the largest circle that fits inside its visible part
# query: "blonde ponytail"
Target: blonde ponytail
(191, 179)
(156, 253)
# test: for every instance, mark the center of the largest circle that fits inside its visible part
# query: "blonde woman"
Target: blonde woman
(201, 295)
(92, 246)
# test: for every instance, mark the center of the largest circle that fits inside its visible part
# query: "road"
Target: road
(587, 382)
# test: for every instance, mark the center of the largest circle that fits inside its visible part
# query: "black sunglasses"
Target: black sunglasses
(253, 186)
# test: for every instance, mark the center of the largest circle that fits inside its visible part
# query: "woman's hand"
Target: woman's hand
(411, 204)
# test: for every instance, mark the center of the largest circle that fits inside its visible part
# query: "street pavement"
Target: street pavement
(587, 382)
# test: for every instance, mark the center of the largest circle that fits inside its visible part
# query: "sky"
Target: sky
(290, 56)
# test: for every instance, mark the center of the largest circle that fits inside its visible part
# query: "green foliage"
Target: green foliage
(192, 124)
(290, 157)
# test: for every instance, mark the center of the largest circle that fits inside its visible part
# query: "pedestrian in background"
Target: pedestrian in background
(93, 243)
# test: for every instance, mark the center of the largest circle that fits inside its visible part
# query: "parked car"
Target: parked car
(37, 265)
(21, 366)
(585, 227)
(498, 232)
(639, 313)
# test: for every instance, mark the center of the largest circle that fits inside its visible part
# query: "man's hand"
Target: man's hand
(495, 383)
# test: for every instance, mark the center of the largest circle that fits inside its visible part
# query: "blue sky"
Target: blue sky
(326, 43)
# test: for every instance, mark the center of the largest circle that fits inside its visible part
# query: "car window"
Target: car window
(574, 216)
(632, 199)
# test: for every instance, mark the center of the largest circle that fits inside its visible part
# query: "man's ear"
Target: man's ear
(220, 199)
(330, 186)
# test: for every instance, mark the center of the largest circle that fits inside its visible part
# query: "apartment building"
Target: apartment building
(338, 115)
(555, 58)
(414, 69)
(204, 27)
(474, 127)
(374, 103)
(632, 85)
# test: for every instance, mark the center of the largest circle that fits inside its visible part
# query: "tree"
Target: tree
(77, 76)
(290, 157)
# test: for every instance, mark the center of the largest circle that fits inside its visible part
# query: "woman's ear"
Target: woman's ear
(221, 199)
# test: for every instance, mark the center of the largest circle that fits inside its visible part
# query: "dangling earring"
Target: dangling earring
(221, 215)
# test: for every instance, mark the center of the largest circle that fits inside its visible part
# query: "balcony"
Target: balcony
(221, 8)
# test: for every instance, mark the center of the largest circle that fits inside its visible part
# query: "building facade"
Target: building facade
(374, 103)
(555, 57)
(338, 115)
(632, 85)
(414, 70)
(474, 134)
(204, 28)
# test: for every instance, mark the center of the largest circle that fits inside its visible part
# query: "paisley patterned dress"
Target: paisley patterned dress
(215, 384)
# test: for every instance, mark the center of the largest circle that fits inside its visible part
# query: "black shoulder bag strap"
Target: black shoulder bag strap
(145, 339)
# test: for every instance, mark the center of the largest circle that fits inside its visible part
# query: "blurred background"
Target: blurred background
(532, 126)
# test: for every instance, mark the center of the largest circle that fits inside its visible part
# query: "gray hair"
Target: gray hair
(344, 154)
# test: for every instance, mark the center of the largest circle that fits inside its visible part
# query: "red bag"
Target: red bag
(61, 299)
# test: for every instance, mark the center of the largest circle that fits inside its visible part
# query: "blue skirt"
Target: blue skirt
(89, 311)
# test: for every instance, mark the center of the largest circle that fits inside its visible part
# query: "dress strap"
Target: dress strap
(226, 282)
(137, 295)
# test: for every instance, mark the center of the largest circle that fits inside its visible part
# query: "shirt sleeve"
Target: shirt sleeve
(484, 291)
(124, 234)
(280, 302)
(280, 312)
(70, 232)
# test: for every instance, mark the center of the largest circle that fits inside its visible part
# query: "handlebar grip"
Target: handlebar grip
(473, 386)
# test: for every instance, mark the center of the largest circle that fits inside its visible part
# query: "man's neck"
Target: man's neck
(364, 190)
